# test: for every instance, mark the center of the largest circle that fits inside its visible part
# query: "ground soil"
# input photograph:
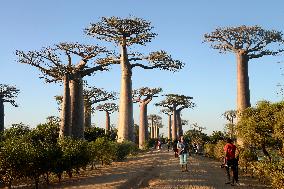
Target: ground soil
(155, 170)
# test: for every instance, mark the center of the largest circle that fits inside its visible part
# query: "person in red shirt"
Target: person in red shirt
(231, 161)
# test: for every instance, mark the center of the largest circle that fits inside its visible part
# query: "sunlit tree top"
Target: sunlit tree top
(8, 94)
(108, 107)
(54, 62)
(253, 41)
(115, 29)
(176, 102)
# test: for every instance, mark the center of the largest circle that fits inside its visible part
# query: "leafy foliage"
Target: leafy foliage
(8, 94)
(250, 40)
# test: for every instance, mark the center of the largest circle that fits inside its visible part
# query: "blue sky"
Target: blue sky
(208, 76)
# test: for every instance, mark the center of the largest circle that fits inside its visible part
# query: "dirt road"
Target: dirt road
(157, 169)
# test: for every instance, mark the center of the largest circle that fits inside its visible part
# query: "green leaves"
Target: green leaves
(254, 41)
(129, 30)
(8, 94)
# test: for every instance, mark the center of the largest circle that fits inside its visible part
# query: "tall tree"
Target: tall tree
(126, 32)
(144, 96)
(155, 121)
(7, 94)
(93, 95)
(169, 113)
(108, 108)
(247, 42)
(176, 103)
(57, 65)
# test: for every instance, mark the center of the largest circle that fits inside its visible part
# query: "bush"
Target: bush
(124, 149)
(150, 143)
(270, 171)
(219, 150)
(103, 150)
(209, 150)
(75, 154)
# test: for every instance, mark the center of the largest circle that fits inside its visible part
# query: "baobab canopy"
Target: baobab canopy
(254, 41)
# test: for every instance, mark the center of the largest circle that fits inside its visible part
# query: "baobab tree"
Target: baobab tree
(143, 96)
(247, 42)
(230, 116)
(108, 108)
(126, 32)
(57, 65)
(8, 94)
(169, 113)
(93, 95)
(155, 120)
(176, 103)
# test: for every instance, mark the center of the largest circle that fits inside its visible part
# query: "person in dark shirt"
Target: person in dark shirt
(231, 161)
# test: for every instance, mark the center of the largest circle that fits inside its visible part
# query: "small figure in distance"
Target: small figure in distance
(175, 149)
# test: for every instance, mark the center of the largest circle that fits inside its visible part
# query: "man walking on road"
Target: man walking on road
(183, 151)
(231, 162)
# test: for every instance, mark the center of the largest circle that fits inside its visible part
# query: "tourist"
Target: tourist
(231, 161)
(183, 152)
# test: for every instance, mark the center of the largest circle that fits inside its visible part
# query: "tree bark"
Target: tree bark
(125, 127)
(243, 92)
(107, 122)
(169, 129)
(174, 124)
(179, 126)
(65, 126)
(143, 124)
(77, 108)
(87, 114)
(157, 131)
(1, 115)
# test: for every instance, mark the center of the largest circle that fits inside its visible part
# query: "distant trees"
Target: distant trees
(143, 96)
(108, 108)
(57, 65)
(126, 32)
(176, 103)
(8, 94)
(247, 42)
(93, 95)
(169, 113)
(155, 123)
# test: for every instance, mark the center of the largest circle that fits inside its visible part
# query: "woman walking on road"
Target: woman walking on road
(183, 152)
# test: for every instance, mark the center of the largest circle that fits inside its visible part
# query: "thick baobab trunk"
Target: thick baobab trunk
(155, 131)
(174, 124)
(87, 115)
(243, 93)
(169, 129)
(143, 125)
(1, 115)
(107, 122)
(65, 126)
(179, 125)
(152, 131)
(77, 108)
(125, 127)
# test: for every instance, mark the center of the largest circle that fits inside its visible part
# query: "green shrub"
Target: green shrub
(124, 149)
(219, 150)
(209, 150)
(103, 150)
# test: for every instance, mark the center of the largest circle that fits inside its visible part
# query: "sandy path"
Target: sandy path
(157, 169)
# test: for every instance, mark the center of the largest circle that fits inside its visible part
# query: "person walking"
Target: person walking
(175, 149)
(183, 152)
(231, 161)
